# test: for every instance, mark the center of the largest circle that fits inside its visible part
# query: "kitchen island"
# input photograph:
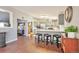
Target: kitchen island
(48, 31)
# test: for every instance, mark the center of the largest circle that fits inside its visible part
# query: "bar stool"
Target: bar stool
(51, 41)
(57, 36)
(47, 38)
(38, 37)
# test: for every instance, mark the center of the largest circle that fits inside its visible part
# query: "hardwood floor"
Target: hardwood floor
(28, 45)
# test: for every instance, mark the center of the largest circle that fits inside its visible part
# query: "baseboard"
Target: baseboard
(11, 41)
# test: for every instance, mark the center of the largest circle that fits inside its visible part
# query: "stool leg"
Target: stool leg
(57, 43)
(51, 41)
(47, 41)
(35, 39)
(38, 39)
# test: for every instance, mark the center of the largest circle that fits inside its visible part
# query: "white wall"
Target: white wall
(75, 18)
(11, 35)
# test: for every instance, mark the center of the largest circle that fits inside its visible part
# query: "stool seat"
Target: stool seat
(56, 35)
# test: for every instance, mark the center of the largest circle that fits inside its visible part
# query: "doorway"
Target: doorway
(30, 32)
(20, 27)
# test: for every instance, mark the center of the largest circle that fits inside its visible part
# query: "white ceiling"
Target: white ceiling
(41, 10)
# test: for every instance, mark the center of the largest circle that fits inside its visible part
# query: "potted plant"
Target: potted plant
(71, 31)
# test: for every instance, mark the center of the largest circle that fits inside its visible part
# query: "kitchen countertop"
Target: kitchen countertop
(48, 30)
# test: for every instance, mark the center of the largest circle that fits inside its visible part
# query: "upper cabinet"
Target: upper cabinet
(6, 19)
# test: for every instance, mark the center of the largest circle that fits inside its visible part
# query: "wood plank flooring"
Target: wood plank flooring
(28, 45)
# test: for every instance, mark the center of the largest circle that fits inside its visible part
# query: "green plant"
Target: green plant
(71, 29)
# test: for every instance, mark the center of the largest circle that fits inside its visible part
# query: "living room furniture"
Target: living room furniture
(69, 45)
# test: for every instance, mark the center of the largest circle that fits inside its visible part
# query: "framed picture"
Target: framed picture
(68, 14)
